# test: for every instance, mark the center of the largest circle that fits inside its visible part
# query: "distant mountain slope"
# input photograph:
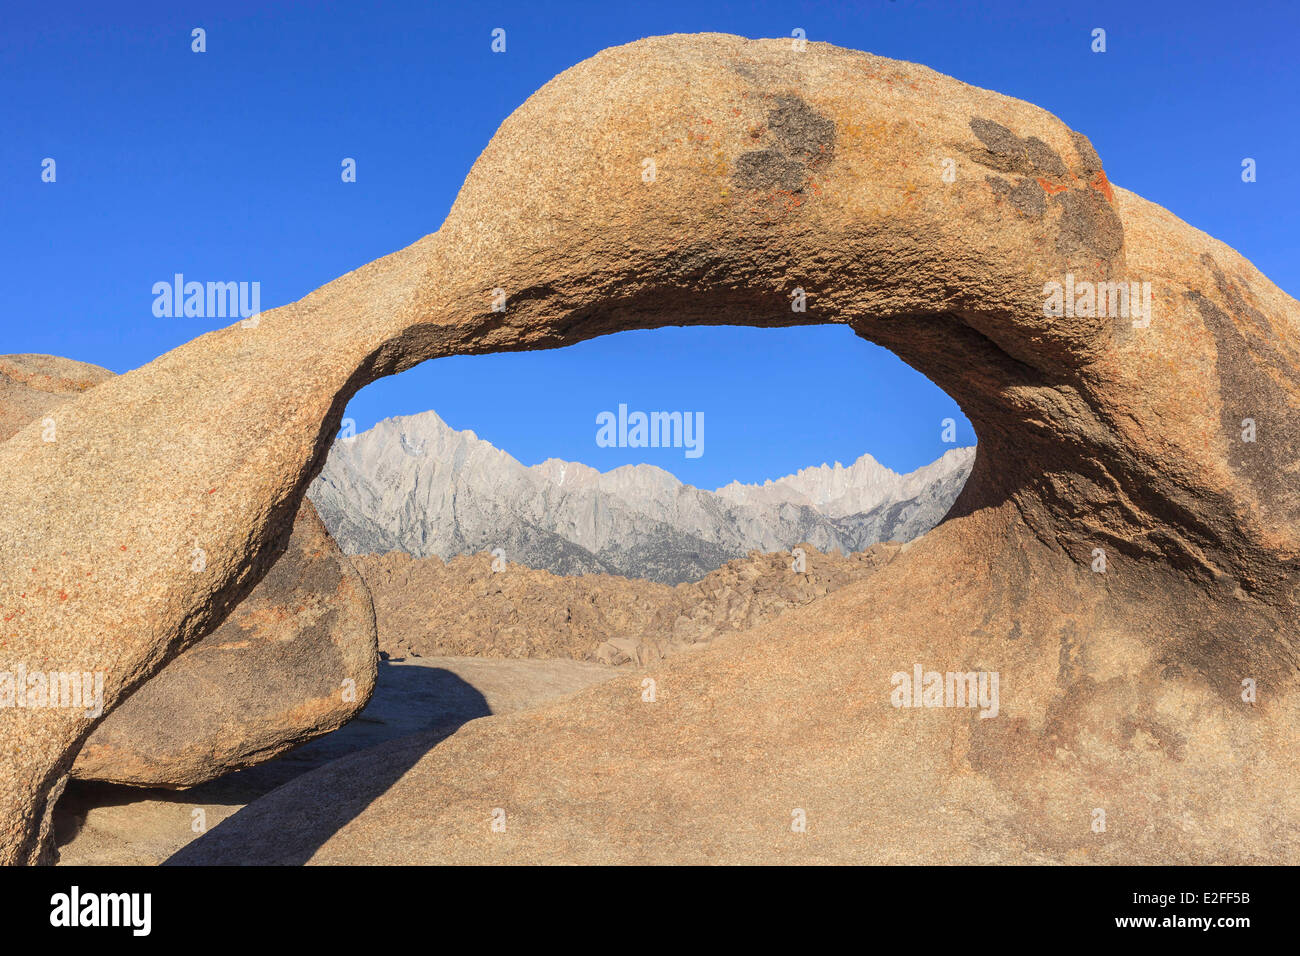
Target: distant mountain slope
(415, 484)
(427, 607)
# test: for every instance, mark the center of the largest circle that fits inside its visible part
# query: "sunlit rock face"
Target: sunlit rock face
(781, 172)
(296, 658)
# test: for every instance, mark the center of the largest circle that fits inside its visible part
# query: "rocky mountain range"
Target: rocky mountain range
(414, 484)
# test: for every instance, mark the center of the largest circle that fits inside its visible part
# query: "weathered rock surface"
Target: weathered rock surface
(269, 678)
(427, 607)
(295, 659)
(32, 384)
(821, 170)
(98, 824)
(414, 484)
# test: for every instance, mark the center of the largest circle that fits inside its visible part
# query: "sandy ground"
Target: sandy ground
(106, 824)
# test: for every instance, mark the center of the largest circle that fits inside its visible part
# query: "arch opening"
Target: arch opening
(717, 439)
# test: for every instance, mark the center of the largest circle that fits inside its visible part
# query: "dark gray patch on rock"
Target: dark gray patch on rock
(801, 140)
(1088, 225)
(1045, 159)
(802, 133)
(1026, 197)
(1003, 149)
(768, 169)
(1008, 153)
(1088, 158)
(1250, 370)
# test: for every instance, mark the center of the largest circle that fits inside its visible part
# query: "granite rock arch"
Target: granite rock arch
(776, 169)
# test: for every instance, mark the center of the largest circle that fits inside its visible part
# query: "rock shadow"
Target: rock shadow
(409, 699)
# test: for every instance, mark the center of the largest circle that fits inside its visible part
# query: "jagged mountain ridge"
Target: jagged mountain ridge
(414, 484)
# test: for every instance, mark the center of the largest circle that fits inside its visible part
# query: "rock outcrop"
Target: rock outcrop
(414, 484)
(295, 660)
(1126, 691)
(98, 824)
(430, 608)
(31, 385)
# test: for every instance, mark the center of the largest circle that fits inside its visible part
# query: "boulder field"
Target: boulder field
(1125, 556)
(425, 607)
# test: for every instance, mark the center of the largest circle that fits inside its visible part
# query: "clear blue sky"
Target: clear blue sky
(225, 166)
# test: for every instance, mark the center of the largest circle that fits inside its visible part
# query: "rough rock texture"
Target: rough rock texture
(33, 384)
(99, 824)
(414, 484)
(426, 607)
(269, 678)
(819, 169)
(295, 659)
